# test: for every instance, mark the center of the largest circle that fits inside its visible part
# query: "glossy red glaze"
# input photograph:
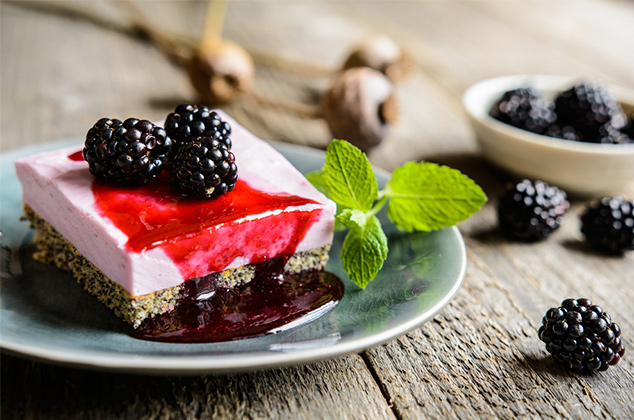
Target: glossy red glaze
(77, 156)
(202, 236)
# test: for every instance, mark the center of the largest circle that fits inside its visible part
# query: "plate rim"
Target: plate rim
(219, 364)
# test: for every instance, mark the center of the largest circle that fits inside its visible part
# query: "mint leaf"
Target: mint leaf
(351, 218)
(364, 251)
(317, 179)
(348, 176)
(426, 196)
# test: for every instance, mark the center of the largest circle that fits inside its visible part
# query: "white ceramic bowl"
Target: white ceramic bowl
(585, 169)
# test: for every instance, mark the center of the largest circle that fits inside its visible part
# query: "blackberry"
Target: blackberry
(526, 109)
(531, 211)
(204, 167)
(591, 109)
(629, 127)
(608, 225)
(567, 132)
(616, 137)
(133, 151)
(581, 336)
(189, 122)
(625, 135)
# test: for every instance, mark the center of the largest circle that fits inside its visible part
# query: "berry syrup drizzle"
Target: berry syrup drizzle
(77, 156)
(203, 236)
(207, 313)
(193, 231)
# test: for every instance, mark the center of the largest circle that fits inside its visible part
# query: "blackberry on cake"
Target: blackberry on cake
(133, 151)
(204, 167)
(188, 122)
(531, 211)
(525, 108)
(608, 225)
(581, 336)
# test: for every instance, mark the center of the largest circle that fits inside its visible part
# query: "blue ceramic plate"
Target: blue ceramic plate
(44, 313)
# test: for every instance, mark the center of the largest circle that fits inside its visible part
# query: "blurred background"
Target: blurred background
(67, 64)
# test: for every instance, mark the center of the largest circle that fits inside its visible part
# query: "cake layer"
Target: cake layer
(53, 248)
(151, 238)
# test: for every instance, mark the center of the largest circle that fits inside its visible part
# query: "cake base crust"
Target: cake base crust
(53, 248)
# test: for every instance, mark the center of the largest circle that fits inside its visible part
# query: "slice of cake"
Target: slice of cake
(134, 247)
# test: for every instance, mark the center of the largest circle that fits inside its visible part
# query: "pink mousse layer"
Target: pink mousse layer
(62, 191)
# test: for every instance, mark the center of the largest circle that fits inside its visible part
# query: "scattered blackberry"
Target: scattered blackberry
(531, 211)
(589, 107)
(189, 122)
(581, 336)
(204, 167)
(133, 151)
(524, 108)
(608, 225)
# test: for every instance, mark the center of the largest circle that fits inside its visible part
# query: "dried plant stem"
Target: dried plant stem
(214, 20)
(69, 10)
(180, 49)
(298, 109)
(289, 65)
(144, 26)
(175, 46)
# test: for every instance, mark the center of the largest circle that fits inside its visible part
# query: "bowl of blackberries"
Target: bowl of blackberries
(575, 133)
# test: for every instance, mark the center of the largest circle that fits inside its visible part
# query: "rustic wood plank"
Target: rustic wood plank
(459, 43)
(69, 73)
(480, 357)
(340, 388)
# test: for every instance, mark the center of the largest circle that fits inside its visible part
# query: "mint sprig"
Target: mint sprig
(420, 196)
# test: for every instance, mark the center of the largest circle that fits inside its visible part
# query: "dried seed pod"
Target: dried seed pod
(359, 106)
(383, 54)
(221, 71)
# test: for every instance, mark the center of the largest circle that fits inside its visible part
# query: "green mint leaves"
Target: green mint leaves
(364, 251)
(425, 196)
(348, 177)
(420, 197)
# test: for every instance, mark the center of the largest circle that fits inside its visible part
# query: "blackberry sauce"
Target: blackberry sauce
(203, 236)
(190, 231)
(77, 156)
(207, 313)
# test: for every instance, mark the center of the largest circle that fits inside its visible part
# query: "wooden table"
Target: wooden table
(479, 357)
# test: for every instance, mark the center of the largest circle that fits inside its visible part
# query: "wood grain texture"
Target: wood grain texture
(480, 357)
(33, 390)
